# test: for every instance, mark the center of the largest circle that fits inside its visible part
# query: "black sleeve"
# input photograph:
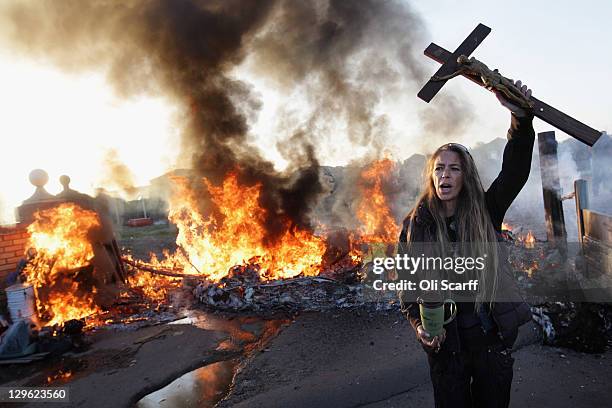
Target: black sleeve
(515, 170)
(408, 308)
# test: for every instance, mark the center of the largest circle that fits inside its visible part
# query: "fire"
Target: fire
(377, 224)
(530, 240)
(60, 239)
(154, 287)
(67, 305)
(532, 268)
(527, 240)
(211, 246)
(60, 376)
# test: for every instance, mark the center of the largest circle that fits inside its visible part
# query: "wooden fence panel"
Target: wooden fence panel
(595, 233)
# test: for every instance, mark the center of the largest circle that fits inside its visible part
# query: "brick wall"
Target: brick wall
(12, 246)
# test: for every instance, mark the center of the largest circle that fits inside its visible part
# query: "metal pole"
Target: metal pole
(144, 208)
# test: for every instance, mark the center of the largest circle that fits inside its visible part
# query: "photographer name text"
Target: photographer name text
(426, 285)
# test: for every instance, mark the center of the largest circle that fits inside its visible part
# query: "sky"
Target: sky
(67, 123)
(559, 49)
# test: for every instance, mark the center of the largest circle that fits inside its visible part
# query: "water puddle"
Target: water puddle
(203, 387)
(207, 385)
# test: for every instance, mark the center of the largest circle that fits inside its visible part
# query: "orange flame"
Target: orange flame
(527, 240)
(60, 376)
(530, 240)
(154, 287)
(211, 247)
(377, 223)
(532, 268)
(69, 304)
(373, 211)
(59, 237)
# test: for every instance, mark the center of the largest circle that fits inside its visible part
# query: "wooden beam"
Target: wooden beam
(581, 196)
(551, 190)
(449, 65)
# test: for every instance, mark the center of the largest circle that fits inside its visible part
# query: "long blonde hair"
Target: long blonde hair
(475, 232)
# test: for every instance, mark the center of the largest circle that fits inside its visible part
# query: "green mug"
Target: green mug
(432, 315)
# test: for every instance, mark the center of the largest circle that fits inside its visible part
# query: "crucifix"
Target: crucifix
(457, 63)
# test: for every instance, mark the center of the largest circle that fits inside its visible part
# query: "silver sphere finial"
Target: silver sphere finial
(39, 177)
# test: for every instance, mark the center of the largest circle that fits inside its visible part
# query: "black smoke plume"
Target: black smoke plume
(346, 55)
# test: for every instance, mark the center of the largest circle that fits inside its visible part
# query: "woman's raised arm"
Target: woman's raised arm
(516, 163)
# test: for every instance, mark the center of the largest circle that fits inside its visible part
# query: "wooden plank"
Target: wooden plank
(597, 226)
(551, 187)
(561, 121)
(581, 196)
(598, 257)
(542, 110)
(449, 65)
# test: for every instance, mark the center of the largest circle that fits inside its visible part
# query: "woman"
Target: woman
(470, 362)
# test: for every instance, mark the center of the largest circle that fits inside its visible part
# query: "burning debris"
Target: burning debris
(61, 376)
(71, 278)
(512, 234)
(244, 293)
(62, 262)
(529, 240)
(239, 268)
(224, 249)
(153, 287)
(236, 232)
(231, 235)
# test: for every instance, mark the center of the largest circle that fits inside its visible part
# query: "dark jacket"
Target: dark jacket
(507, 316)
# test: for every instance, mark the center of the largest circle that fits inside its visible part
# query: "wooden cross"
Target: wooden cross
(547, 113)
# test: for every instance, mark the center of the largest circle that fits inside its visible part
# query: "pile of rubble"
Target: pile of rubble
(584, 327)
(27, 340)
(550, 282)
(543, 273)
(242, 290)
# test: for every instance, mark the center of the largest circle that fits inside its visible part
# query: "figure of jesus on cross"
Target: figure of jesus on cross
(459, 63)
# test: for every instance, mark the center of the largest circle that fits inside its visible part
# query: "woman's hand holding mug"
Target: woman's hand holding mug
(425, 338)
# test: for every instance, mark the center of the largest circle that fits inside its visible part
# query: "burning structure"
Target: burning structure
(71, 258)
(62, 253)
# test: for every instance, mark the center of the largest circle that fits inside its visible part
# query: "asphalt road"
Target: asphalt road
(345, 358)
(354, 359)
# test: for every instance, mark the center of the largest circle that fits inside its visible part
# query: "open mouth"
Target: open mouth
(445, 188)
